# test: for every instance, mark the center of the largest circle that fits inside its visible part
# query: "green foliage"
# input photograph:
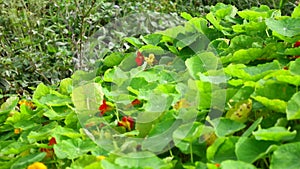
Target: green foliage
(40, 39)
(177, 104)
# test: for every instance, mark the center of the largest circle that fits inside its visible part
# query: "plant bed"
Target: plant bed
(219, 91)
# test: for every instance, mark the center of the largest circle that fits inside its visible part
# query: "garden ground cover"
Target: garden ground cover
(218, 91)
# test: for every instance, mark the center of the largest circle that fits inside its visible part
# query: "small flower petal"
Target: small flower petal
(127, 122)
(101, 157)
(136, 102)
(52, 141)
(37, 165)
(139, 60)
(103, 107)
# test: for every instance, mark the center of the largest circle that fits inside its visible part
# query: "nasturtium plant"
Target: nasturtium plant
(214, 91)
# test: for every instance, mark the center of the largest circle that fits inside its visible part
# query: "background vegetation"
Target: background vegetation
(39, 39)
(258, 48)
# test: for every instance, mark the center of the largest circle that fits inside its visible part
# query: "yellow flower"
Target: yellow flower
(37, 165)
(150, 60)
(101, 157)
(181, 104)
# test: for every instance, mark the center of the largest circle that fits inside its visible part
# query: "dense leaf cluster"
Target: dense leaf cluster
(217, 91)
(40, 39)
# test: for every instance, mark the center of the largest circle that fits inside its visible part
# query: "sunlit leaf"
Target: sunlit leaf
(284, 26)
(293, 107)
(229, 164)
(275, 134)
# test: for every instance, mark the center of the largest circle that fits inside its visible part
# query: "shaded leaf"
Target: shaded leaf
(249, 149)
(27, 160)
(222, 149)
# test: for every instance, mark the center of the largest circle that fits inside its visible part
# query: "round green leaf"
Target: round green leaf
(249, 150)
(286, 156)
(293, 107)
(226, 126)
(87, 97)
(201, 63)
(286, 26)
(65, 86)
(113, 59)
(295, 67)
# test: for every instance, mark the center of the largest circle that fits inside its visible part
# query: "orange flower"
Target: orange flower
(17, 130)
(37, 165)
(127, 122)
(136, 102)
(27, 103)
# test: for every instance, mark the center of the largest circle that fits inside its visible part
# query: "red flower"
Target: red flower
(104, 107)
(139, 58)
(136, 102)
(217, 165)
(297, 44)
(49, 151)
(52, 141)
(127, 122)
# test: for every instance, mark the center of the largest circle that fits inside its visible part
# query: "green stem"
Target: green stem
(170, 150)
(117, 113)
(191, 153)
(266, 162)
